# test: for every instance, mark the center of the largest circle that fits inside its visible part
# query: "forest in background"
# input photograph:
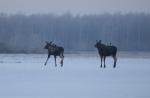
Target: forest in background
(28, 33)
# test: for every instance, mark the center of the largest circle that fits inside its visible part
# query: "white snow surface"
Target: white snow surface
(25, 76)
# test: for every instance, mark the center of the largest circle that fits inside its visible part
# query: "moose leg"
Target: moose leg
(101, 60)
(62, 58)
(47, 59)
(55, 61)
(115, 60)
(104, 61)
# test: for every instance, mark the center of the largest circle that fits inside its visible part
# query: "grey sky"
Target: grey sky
(74, 6)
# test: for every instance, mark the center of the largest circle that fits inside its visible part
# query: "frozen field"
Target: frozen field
(24, 76)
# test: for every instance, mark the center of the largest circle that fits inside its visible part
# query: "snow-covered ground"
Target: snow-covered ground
(24, 76)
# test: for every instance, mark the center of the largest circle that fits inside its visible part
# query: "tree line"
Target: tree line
(28, 33)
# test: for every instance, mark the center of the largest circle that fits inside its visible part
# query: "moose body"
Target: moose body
(55, 51)
(106, 50)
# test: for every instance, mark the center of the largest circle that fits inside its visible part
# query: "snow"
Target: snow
(24, 76)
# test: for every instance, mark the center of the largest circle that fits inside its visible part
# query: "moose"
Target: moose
(54, 50)
(106, 50)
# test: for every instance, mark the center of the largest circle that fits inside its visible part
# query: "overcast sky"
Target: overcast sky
(74, 6)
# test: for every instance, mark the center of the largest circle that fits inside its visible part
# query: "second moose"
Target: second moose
(106, 50)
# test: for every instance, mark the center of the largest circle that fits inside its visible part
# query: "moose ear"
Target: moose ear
(100, 41)
(51, 42)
